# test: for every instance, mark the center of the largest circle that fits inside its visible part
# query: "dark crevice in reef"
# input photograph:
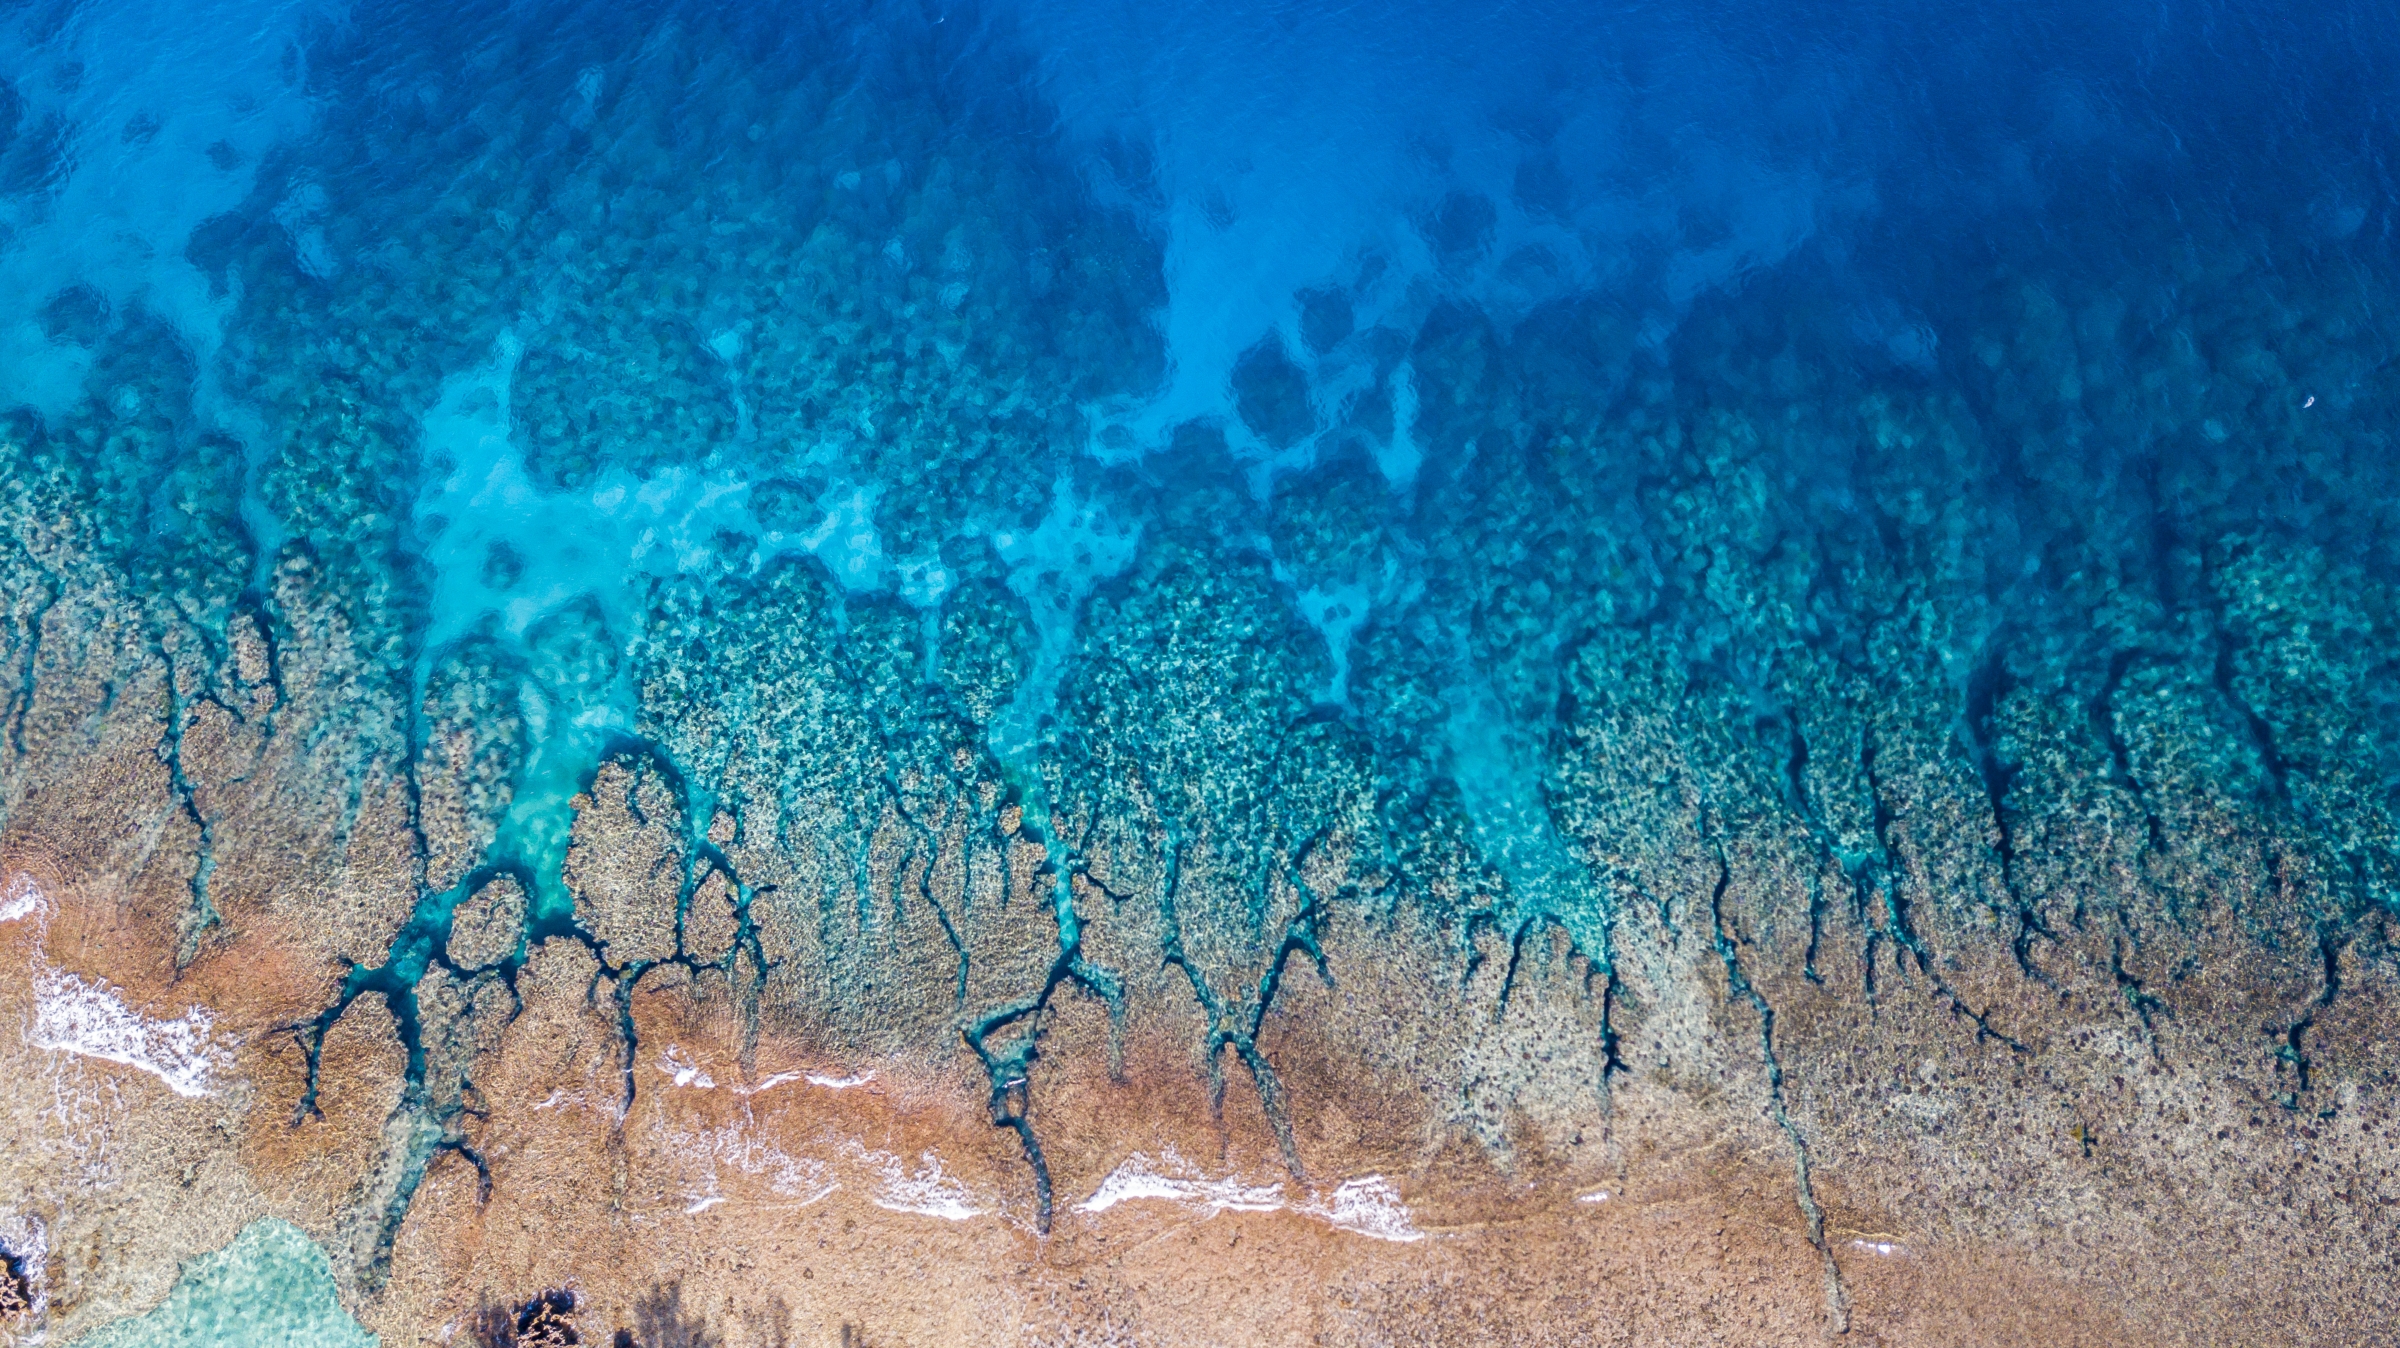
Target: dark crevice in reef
(1603, 963)
(1008, 1066)
(1612, 992)
(1516, 960)
(1299, 936)
(258, 609)
(1480, 920)
(703, 858)
(412, 779)
(746, 939)
(424, 1136)
(2120, 754)
(433, 1130)
(201, 914)
(2145, 1004)
(2261, 735)
(53, 590)
(2332, 934)
(924, 853)
(1009, 1069)
(2293, 1051)
(1987, 686)
(422, 946)
(1875, 873)
(1794, 786)
(1521, 923)
(1232, 1026)
(1116, 1021)
(1837, 1300)
(1602, 968)
(1227, 1026)
(2126, 939)
(461, 1148)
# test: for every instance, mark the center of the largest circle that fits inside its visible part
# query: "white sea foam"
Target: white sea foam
(779, 1079)
(23, 899)
(89, 1020)
(686, 1072)
(734, 1147)
(928, 1192)
(1140, 1177)
(71, 1015)
(1367, 1206)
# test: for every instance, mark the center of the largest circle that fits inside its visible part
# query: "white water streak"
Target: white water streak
(1139, 1177)
(1367, 1206)
(802, 1178)
(927, 1193)
(88, 1019)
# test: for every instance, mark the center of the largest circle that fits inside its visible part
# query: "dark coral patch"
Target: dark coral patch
(547, 1321)
(16, 1289)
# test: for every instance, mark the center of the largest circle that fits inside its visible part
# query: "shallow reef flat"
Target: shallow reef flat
(632, 727)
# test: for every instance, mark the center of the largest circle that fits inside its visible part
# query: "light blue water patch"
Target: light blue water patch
(1336, 611)
(1361, 147)
(153, 116)
(1054, 567)
(1512, 822)
(564, 544)
(271, 1288)
(1399, 457)
(1339, 611)
(514, 558)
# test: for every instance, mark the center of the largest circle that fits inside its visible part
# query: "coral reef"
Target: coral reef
(683, 749)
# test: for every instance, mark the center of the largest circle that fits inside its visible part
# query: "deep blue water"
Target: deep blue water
(1508, 157)
(533, 308)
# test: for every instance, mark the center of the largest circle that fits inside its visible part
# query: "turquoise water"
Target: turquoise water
(1147, 427)
(270, 1288)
